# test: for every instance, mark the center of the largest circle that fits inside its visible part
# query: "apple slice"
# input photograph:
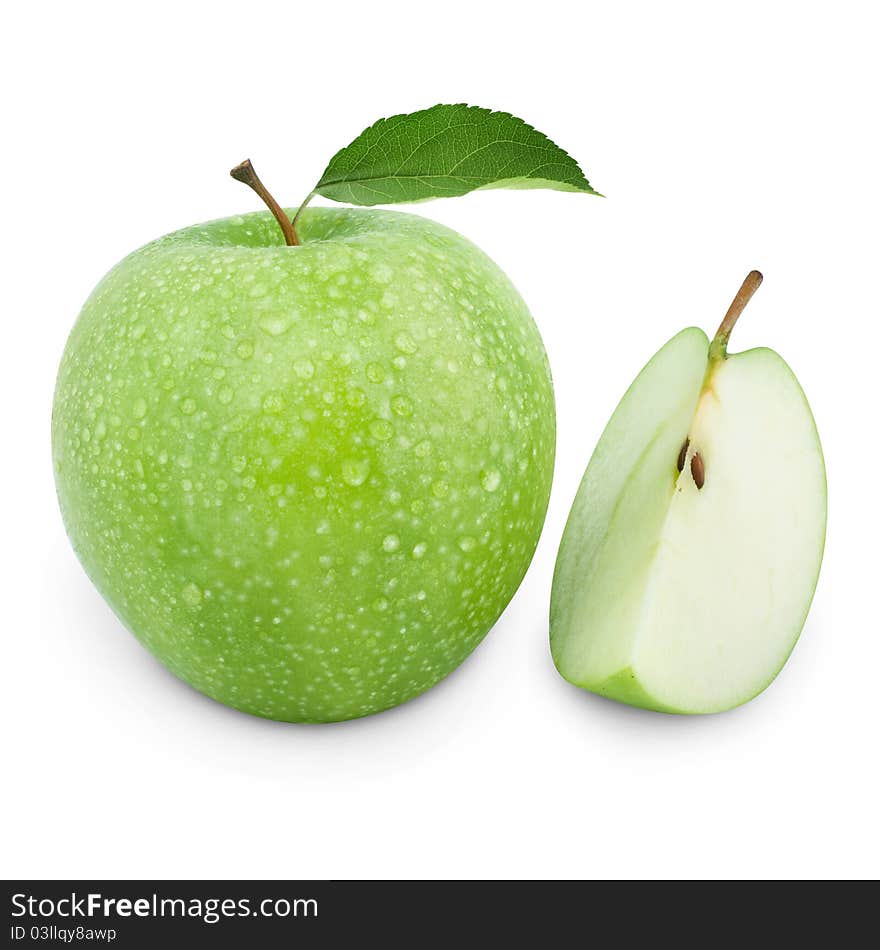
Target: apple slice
(693, 547)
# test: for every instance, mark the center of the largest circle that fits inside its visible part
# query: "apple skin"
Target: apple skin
(308, 479)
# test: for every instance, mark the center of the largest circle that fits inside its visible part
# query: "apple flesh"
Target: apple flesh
(309, 479)
(693, 548)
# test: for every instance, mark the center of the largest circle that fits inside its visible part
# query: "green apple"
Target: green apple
(693, 548)
(309, 479)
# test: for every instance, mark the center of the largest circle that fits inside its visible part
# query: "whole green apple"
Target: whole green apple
(309, 479)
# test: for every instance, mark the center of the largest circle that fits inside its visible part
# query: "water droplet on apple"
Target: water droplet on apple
(381, 429)
(245, 349)
(275, 323)
(273, 403)
(391, 542)
(402, 406)
(375, 372)
(304, 368)
(382, 273)
(490, 479)
(380, 604)
(467, 543)
(355, 471)
(419, 550)
(191, 595)
(356, 397)
(405, 343)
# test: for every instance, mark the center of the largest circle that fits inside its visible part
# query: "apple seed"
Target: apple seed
(682, 455)
(698, 470)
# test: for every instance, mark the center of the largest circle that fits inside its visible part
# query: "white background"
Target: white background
(726, 137)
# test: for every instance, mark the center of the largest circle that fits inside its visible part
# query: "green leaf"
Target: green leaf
(444, 151)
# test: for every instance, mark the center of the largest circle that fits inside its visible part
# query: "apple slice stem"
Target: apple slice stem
(244, 172)
(718, 349)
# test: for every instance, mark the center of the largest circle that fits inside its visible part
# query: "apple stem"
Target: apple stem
(245, 173)
(718, 349)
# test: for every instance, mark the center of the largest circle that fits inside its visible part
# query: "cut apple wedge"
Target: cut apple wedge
(693, 547)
